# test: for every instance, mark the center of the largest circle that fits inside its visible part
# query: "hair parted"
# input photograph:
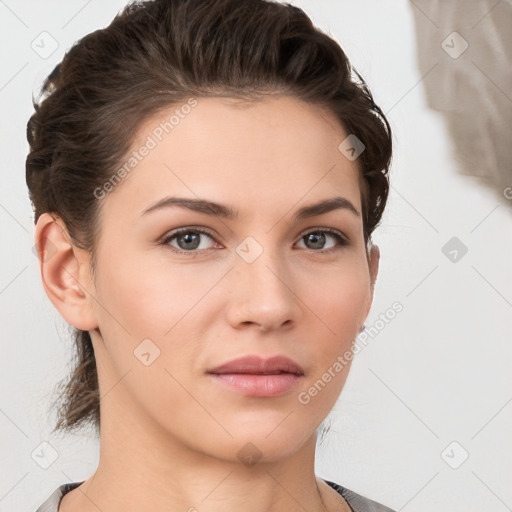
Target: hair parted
(159, 53)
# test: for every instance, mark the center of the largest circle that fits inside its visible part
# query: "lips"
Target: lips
(254, 365)
(257, 377)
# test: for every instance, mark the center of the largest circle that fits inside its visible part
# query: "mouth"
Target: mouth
(258, 377)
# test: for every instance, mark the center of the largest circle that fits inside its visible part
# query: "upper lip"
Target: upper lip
(259, 365)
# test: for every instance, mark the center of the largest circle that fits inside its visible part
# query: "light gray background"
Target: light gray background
(439, 372)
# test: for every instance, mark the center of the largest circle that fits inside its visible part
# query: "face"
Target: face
(265, 281)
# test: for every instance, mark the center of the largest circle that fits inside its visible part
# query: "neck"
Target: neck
(144, 469)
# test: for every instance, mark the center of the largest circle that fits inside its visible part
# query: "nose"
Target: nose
(262, 293)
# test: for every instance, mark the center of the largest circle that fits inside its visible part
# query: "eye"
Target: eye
(188, 239)
(317, 238)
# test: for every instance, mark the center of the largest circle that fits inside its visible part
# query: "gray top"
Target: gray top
(355, 501)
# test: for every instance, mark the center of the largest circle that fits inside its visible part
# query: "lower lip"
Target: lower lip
(258, 385)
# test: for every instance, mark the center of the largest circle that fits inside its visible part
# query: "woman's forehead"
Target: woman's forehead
(276, 147)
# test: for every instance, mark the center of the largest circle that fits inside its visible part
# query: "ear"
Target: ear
(373, 266)
(65, 272)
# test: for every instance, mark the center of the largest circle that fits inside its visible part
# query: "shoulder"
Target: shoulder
(52, 502)
(357, 502)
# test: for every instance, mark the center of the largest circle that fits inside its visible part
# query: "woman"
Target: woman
(206, 176)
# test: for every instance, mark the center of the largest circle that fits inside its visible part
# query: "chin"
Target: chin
(267, 444)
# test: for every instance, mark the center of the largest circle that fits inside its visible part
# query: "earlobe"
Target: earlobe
(63, 275)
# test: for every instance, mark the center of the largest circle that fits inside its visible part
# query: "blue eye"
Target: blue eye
(189, 240)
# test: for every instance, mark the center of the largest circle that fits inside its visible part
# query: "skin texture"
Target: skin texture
(169, 434)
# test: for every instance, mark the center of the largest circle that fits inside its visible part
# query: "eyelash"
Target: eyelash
(342, 241)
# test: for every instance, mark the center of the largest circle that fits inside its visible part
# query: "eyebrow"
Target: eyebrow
(220, 210)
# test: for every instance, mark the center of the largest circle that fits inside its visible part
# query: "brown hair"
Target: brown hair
(158, 53)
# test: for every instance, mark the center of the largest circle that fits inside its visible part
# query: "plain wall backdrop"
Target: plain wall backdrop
(424, 420)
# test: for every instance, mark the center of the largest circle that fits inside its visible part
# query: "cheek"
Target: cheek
(337, 297)
(149, 298)
(337, 309)
(341, 305)
(338, 303)
(147, 334)
(165, 304)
